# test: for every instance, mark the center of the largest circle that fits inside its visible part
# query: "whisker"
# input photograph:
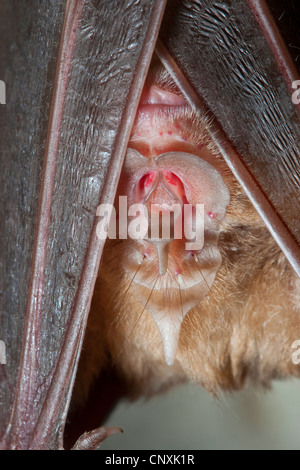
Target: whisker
(120, 315)
(180, 297)
(203, 277)
(219, 222)
(144, 308)
(155, 338)
(222, 225)
(136, 323)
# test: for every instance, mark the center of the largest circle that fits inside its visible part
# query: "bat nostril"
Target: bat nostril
(147, 180)
(146, 185)
(171, 178)
(174, 185)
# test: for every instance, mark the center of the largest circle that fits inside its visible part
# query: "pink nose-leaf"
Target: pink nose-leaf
(169, 282)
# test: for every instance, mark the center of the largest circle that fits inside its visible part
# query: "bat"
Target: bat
(66, 133)
(224, 315)
(228, 338)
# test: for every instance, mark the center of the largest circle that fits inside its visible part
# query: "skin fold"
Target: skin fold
(243, 324)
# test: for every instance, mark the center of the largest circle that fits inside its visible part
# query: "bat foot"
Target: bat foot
(91, 440)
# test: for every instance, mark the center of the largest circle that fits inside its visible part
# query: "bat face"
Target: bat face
(218, 305)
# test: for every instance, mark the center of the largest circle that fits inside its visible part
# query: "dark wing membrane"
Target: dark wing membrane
(104, 52)
(29, 37)
(238, 64)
